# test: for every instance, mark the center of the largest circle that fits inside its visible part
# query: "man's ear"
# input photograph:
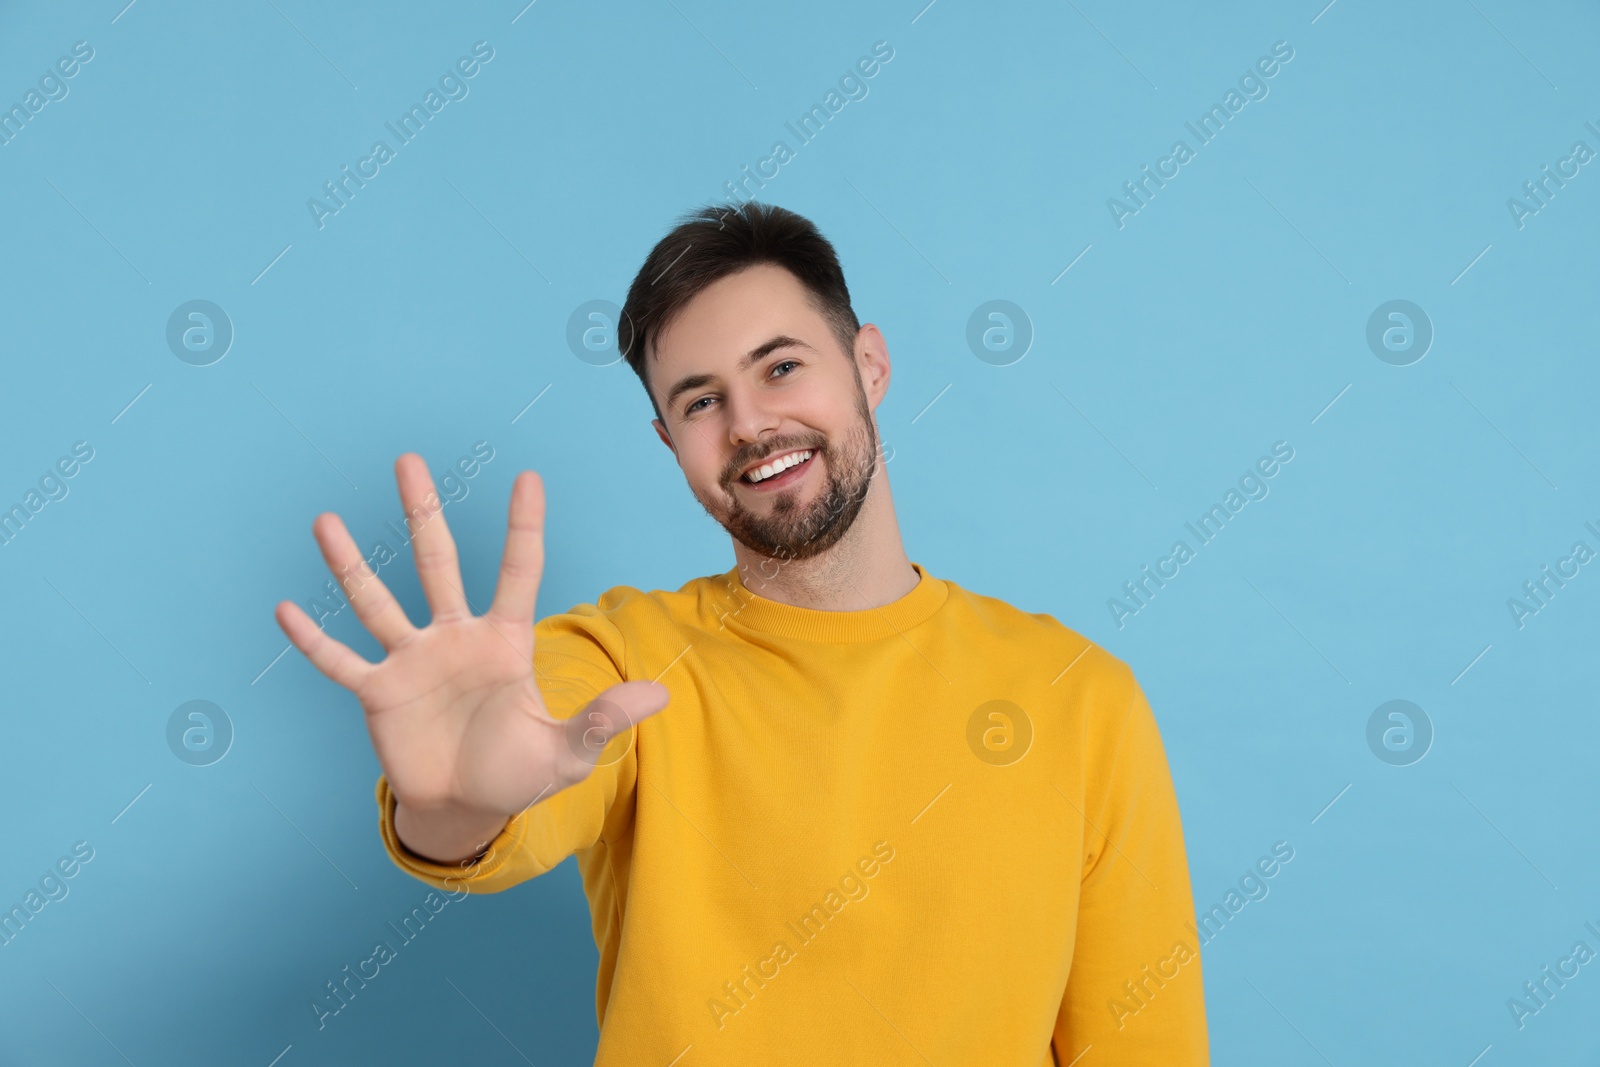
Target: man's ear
(661, 432)
(872, 363)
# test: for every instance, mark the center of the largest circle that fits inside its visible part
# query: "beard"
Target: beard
(791, 529)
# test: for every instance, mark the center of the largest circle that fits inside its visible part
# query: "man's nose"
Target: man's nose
(748, 418)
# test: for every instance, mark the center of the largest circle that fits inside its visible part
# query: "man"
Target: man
(881, 819)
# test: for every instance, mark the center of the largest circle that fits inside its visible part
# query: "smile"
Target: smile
(783, 470)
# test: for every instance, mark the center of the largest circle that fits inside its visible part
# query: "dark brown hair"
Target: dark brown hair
(713, 242)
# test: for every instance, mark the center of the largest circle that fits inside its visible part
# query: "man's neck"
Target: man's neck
(867, 568)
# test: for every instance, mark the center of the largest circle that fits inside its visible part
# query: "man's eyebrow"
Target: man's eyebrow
(695, 381)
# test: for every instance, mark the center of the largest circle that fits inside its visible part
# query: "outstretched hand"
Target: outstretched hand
(456, 720)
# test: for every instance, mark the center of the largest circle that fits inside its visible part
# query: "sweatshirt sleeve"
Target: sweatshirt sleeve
(1134, 992)
(577, 655)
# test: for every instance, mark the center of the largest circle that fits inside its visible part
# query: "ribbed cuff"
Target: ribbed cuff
(463, 875)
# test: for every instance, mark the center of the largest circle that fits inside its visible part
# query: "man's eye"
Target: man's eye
(695, 406)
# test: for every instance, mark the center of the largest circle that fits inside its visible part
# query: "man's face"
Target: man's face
(725, 413)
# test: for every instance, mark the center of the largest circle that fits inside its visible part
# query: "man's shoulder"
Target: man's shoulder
(1043, 632)
(630, 598)
(626, 606)
(618, 633)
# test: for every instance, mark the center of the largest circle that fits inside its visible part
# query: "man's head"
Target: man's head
(739, 325)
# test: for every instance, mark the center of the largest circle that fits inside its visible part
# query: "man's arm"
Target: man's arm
(1135, 991)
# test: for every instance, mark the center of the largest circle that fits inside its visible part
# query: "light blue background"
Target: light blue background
(1226, 315)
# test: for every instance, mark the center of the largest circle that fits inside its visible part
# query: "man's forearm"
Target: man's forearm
(448, 837)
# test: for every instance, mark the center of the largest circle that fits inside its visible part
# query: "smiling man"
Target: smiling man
(787, 464)
(827, 806)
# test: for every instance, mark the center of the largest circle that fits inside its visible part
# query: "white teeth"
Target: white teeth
(767, 470)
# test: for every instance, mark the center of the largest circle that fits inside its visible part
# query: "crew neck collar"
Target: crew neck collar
(750, 611)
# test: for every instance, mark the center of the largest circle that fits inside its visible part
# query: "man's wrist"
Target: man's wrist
(448, 837)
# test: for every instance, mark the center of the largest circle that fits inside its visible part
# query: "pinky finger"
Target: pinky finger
(335, 660)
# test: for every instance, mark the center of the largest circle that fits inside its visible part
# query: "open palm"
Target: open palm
(455, 715)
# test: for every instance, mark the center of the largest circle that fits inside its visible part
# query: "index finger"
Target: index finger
(523, 563)
(335, 660)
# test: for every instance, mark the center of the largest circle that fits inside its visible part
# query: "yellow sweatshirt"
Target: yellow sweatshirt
(938, 831)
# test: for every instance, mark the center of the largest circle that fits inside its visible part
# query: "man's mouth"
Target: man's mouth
(780, 470)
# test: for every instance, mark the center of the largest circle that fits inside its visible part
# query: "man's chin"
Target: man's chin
(777, 540)
(783, 551)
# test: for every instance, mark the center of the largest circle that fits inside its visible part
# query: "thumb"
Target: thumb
(613, 714)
